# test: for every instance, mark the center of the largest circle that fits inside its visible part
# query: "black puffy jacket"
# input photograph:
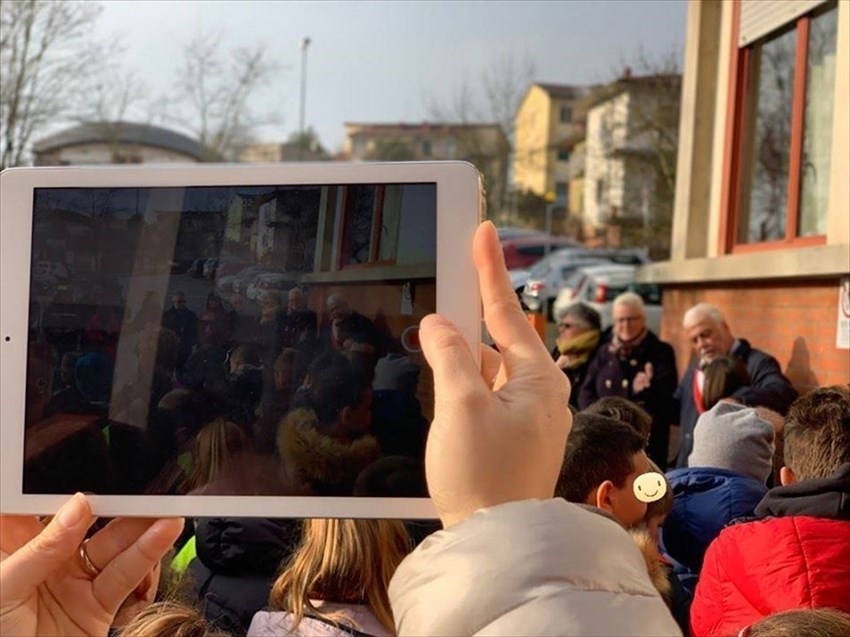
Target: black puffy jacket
(236, 564)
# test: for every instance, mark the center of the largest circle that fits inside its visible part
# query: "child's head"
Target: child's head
(723, 377)
(340, 396)
(602, 459)
(342, 561)
(218, 447)
(734, 437)
(658, 510)
(814, 622)
(817, 434)
(168, 619)
(625, 411)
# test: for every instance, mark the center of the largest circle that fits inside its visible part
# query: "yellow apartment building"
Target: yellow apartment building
(547, 127)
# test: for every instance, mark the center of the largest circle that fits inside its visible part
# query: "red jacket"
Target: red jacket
(792, 560)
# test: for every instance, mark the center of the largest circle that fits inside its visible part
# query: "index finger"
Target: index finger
(126, 571)
(506, 323)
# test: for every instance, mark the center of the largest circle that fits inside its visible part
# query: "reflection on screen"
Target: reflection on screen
(230, 340)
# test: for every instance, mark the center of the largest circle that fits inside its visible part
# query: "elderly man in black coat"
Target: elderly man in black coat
(710, 336)
(635, 364)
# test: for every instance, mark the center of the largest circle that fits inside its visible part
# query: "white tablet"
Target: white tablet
(219, 340)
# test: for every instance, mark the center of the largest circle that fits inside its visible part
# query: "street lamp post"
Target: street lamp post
(305, 42)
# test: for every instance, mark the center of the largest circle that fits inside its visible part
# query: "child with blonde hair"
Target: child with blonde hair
(336, 582)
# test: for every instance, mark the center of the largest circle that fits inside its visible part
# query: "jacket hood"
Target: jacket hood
(654, 566)
(706, 500)
(818, 498)
(243, 546)
(327, 465)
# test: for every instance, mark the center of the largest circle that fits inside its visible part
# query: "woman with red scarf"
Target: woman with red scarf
(638, 366)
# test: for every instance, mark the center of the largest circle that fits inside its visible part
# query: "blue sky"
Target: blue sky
(384, 61)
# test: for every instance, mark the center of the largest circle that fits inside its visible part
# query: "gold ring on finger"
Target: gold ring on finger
(88, 565)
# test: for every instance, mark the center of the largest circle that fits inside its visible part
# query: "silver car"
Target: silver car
(549, 275)
(598, 286)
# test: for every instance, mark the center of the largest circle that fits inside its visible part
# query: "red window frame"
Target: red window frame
(740, 63)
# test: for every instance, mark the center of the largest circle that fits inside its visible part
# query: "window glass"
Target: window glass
(817, 134)
(390, 218)
(767, 140)
(360, 212)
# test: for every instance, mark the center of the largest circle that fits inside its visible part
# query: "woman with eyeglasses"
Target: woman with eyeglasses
(579, 333)
(638, 366)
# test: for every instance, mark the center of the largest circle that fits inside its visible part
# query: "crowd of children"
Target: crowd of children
(751, 538)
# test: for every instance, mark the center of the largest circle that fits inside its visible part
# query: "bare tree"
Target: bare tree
(47, 60)
(215, 88)
(503, 84)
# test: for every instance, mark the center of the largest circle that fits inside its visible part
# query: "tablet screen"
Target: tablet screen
(256, 340)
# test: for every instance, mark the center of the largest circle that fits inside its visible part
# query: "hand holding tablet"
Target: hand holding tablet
(203, 340)
(52, 583)
(498, 435)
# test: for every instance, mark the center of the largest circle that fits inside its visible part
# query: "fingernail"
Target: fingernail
(72, 511)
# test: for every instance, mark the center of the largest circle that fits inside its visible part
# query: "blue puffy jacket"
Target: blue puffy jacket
(706, 500)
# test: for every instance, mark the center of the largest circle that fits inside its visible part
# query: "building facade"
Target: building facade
(761, 223)
(483, 145)
(546, 128)
(629, 160)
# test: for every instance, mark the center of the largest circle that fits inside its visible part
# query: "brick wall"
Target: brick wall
(793, 321)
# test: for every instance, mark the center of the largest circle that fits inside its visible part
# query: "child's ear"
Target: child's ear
(604, 496)
(786, 476)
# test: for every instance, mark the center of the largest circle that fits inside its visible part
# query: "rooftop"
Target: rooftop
(124, 133)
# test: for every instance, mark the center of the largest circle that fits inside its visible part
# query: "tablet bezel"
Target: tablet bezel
(459, 211)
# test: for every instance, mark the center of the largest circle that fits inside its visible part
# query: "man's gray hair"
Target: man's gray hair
(632, 300)
(701, 312)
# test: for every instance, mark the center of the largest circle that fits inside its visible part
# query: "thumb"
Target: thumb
(648, 370)
(445, 349)
(29, 566)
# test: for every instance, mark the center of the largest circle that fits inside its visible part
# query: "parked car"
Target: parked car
(511, 232)
(269, 282)
(49, 270)
(524, 251)
(599, 285)
(245, 276)
(210, 266)
(197, 268)
(547, 277)
(551, 273)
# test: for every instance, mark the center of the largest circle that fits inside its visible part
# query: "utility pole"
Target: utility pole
(305, 42)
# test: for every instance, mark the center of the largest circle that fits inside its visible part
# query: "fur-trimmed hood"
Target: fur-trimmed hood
(654, 562)
(328, 466)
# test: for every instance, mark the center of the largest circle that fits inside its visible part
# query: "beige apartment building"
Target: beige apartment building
(761, 223)
(483, 145)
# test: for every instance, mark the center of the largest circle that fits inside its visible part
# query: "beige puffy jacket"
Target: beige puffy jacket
(529, 568)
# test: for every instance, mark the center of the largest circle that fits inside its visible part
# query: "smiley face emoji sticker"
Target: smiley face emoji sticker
(650, 487)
